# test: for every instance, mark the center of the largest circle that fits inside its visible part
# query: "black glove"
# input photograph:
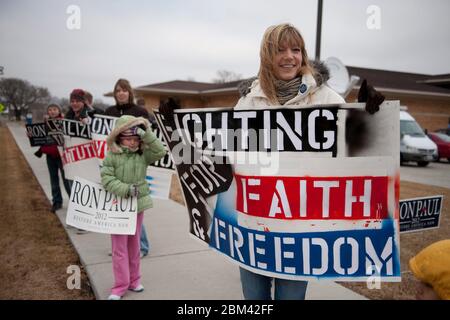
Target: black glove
(371, 97)
(91, 113)
(167, 106)
(38, 153)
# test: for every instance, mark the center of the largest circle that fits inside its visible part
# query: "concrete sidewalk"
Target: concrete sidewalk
(178, 267)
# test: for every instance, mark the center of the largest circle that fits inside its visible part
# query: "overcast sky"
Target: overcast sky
(156, 41)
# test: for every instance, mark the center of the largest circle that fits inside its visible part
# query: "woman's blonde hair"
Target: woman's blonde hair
(273, 38)
(124, 84)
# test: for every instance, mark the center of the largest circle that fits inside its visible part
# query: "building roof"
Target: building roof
(189, 87)
(441, 80)
(186, 87)
(395, 81)
(383, 80)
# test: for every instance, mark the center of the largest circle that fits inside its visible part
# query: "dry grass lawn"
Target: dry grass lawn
(35, 250)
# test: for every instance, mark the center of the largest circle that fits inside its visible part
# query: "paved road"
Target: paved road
(436, 173)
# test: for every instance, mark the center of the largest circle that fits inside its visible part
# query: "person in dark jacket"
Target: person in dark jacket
(124, 96)
(54, 162)
(78, 109)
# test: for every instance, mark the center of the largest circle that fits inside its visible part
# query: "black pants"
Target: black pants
(54, 166)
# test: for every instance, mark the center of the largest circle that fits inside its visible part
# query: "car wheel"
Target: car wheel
(437, 158)
(422, 163)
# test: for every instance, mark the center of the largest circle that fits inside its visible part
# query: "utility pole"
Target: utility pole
(319, 29)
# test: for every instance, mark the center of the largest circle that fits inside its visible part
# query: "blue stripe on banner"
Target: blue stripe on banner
(149, 183)
(332, 254)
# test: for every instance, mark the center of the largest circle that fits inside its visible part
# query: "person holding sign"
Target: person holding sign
(54, 162)
(288, 78)
(132, 147)
(124, 97)
(78, 111)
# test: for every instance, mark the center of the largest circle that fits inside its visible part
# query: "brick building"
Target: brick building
(426, 96)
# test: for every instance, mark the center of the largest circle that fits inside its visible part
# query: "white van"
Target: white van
(414, 143)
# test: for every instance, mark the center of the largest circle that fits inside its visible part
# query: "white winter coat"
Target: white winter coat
(315, 94)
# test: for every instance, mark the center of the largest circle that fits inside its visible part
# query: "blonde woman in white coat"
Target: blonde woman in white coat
(286, 77)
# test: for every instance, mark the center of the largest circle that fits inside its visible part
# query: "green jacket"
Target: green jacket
(122, 168)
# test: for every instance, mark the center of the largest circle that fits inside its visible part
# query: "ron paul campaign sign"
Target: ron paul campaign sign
(419, 214)
(305, 193)
(92, 208)
(38, 134)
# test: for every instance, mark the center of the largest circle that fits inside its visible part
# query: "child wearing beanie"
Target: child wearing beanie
(78, 108)
(54, 162)
(132, 148)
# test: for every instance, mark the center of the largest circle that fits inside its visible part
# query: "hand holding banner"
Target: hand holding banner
(328, 206)
(92, 208)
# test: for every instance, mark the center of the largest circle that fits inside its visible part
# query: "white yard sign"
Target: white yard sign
(92, 208)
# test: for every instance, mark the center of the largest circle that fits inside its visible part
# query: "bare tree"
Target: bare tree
(226, 76)
(60, 101)
(19, 95)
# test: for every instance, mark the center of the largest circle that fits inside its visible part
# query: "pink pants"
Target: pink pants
(126, 259)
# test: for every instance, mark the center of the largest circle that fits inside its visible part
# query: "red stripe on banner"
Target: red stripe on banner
(397, 195)
(100, 147)
(78, 153)
(294, 198)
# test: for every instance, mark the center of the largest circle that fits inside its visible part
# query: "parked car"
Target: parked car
(443, 143)
(444, 131)
(414, 143)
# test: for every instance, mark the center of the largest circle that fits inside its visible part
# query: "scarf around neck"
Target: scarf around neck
(287, 90)
(129, 149)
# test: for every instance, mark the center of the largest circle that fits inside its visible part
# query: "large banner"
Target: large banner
(92, 208)
(84, 148)
(298, 194)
